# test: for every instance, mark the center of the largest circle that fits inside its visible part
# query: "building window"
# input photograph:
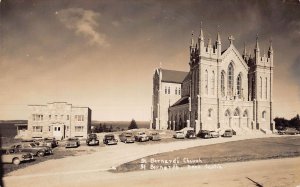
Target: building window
(176, 91)
(37, 128)
(49, 128)
(230, 80)
(68, 128)
(68, 117)
(37, 117)
(266, 91)
(236, 112)
(213, 83)
(223, 83)
(206, 82)
(78, 128)
(79, 117)
(55, 117)
(166, 90)
(210, 113)
(49, 117)
(239, 86)
(245, 114)
(264, 115)
(169, 90)
(260, 90)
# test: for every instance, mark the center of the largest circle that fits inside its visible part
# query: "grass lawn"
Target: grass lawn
(245, 150)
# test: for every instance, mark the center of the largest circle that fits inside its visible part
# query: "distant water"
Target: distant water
(8, 130)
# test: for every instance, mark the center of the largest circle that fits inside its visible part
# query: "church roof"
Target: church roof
(173, 76)
(181, 101)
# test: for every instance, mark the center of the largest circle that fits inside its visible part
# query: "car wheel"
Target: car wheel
(16, 161)
(41, 154)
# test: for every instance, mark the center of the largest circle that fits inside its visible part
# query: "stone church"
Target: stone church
(223, 89)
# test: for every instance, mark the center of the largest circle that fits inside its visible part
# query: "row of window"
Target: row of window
(168, 90)
(40, 128)
(40, 117)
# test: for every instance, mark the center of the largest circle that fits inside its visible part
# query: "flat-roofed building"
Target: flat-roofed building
(60, 120)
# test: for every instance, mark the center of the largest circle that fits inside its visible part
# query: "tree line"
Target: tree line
(282, 123)
(102, 127)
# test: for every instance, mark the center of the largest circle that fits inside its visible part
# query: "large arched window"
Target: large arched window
(236, 112)
(206, 82)
(245, 114)
(230, 80)
(239, 86)
(223, 83)
(213, 83)
(264, 115)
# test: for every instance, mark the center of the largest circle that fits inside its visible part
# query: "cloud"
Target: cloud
(84, 23)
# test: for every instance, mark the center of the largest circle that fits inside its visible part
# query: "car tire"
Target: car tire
(16, 161)
(40, 154)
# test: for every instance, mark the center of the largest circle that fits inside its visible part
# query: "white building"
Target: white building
(59, 120)
(223, 89)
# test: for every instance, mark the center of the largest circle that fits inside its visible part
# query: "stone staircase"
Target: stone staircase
(242, 131)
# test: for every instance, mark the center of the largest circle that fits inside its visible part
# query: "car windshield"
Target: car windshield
(72, 139)
(142, 133)
(109, 137)
(128, 135)
(179, 132)
(93, 136)
(154, 133)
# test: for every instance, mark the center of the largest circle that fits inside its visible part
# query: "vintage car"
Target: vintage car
(228, 133)
(92, 139)
(190, 134)
(214, 134)
(141, 137)
(127, 137)
(204, 134)
(154, 136)
(30, 147)
(11, 157)
(109, 139)
(291, 131)
(72, 142)
(50, 142)
(179, 135)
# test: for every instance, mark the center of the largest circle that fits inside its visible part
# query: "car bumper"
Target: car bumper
(93, 143)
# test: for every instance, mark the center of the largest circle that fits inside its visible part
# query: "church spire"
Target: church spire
(201, 36)
(245, 49)
(271, 47)
(256, 45)
(192, 40)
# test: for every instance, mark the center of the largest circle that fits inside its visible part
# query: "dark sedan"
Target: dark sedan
(109, 139)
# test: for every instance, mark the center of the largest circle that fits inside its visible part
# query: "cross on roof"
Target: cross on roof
(230, 38)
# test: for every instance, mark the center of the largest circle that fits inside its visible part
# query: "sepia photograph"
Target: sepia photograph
(143, 93)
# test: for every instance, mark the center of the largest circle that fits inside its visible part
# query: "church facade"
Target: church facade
(223, 89)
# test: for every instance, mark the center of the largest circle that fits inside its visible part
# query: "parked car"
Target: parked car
(92, 139)
(50, 142)
(190, 134)
(109, 139)
(154, 136)
(72, 142)
(281, 132)
(34, 149)
(12, 157)
(127, 137)
(228, 133)
(214, 134)
(204, 134)
(179, 135)
(141, 137)
(291, 131)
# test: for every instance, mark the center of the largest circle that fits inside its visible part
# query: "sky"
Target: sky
(102, 54)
